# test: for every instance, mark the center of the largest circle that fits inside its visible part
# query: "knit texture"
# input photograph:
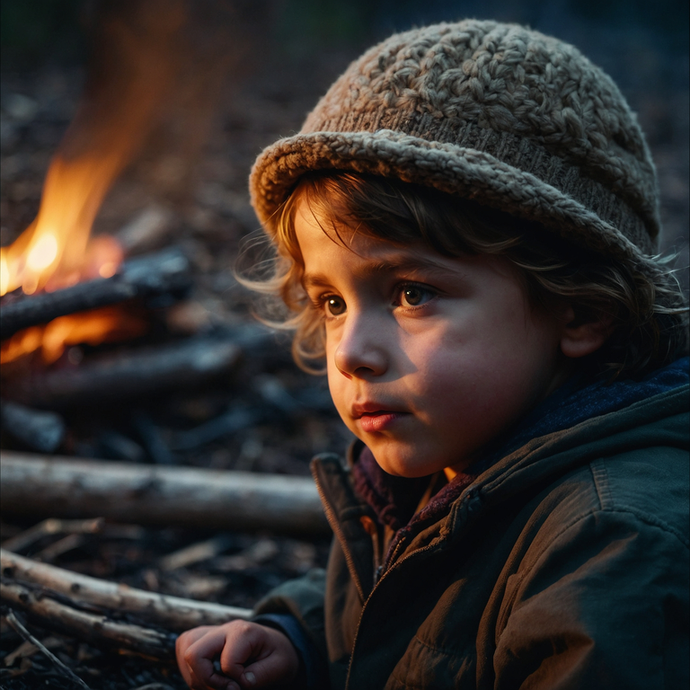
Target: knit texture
(488, 111)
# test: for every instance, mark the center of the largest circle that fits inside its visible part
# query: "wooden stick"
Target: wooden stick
(146, 371)
(39, 430)
(28, 637)
(52, 526)
(43, 486)
(88, 626)
(81, 591)
(167, 272)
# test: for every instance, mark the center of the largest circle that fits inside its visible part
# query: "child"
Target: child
(465, 230)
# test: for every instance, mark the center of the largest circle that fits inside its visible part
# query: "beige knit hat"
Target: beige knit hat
(493, 112)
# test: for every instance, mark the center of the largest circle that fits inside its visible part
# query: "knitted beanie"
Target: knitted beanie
(487, 111)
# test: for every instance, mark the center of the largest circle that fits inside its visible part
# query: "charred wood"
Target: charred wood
(164, 273)
(159, 495)
(126, 375)
(39, 430)
(234, 420)
(153, 440)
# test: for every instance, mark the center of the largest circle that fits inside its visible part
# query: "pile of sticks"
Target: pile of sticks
(110, 614)
(104, 612)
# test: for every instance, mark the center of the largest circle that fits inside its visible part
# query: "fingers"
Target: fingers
(268, 657)
(196, 650)
(251, 657)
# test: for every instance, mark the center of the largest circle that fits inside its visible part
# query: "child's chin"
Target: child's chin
(398, 467)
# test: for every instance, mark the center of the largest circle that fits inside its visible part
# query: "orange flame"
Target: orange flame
(107, 324)
(54, 251)
(135, 63)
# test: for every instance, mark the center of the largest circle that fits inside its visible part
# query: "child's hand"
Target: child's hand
(251, 656)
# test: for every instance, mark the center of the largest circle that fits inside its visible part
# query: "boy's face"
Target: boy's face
(429, 357)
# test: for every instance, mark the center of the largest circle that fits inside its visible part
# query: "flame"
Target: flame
(107, 324)
(136, 59)
(55, 250)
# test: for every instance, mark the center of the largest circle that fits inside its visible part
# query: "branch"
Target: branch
(166, 272)
(52, 486)
(96, 609)
(169, 612)
(88, 626)
(146, 371)
(28, 637)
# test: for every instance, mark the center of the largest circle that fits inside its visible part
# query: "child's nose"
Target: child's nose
(361, 351)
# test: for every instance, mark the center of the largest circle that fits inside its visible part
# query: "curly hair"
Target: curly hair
(648, 315)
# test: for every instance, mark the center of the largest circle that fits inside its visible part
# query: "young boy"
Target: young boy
(465, 230)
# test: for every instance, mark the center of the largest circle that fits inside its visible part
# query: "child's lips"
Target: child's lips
(375, 417)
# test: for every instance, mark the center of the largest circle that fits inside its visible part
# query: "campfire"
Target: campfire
(55, 253)
(64, 290)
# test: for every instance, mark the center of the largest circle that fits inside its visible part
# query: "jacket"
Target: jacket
(563, 565)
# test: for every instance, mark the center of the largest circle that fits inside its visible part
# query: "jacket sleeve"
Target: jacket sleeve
(603, 604)
(297, 608)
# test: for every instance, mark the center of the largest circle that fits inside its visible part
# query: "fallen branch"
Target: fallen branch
(146, 371)
(87, 626)
(51, 526)
(43, 486)
(77, 591)
(167, 272)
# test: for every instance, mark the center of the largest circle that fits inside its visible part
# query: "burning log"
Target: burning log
(147, 371)
(161, 495)
(164, 273)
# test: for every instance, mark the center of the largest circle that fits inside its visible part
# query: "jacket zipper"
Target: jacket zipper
(381, 574)
(335, 526)
(380, 577)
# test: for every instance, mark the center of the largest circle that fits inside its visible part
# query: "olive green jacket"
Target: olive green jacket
(564, 565)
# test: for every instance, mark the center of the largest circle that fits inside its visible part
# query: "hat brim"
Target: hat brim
(456, 170)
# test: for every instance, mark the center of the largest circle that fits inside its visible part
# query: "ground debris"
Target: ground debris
(228, 568)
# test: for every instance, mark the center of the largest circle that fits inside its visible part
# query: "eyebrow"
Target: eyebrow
(394, 265)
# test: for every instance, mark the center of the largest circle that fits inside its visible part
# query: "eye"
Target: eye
(415, 295)
(335, 305)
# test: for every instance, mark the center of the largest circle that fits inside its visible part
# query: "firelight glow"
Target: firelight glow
(4, 274)
(43, 253)
(92, 327)
(56, 251)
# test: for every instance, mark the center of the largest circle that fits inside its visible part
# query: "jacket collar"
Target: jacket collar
(395, 499)
(355, 494)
